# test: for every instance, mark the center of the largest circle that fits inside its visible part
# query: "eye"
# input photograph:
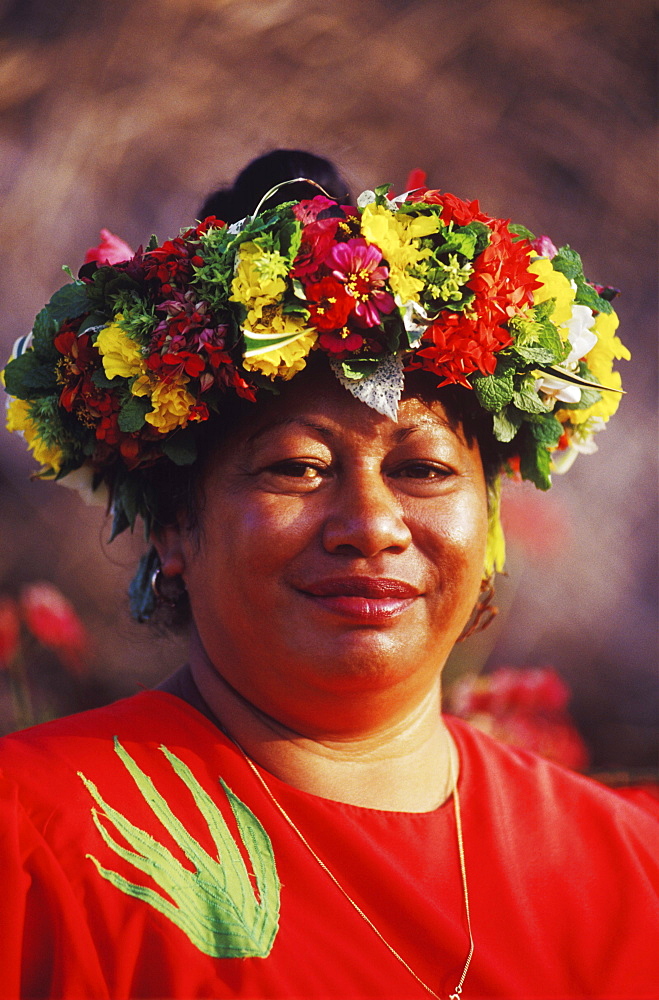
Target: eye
(296, 470)
(294, 475)
(421, 470)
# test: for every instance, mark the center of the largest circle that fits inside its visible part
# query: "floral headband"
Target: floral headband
(125, 363)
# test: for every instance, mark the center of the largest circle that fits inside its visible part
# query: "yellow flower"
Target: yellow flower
(600, 362)
(285, 360)
(171, 402)
(121, 355)
(18, 420)
(259, 280)
(554, 286)
(495, 552)
(396, 235)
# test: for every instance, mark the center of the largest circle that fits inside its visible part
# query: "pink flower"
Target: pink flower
(544, 247)
(10, 627)
(111, 250)
(358, 265)
(308, 210)
(52, 620)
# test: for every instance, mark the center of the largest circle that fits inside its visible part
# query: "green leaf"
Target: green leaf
(521, 232)
(132, 413)
(27, 376)
(181, 447)
(357, 369)
(494, 391)
(535, 464)
(535, 355)
(152, 244)
(546, 430)
(568, 262)
(506, 423)
(43, 333)
(587, 296)
(69, 302)
(461, 241)
(381, 193)
(526, 397)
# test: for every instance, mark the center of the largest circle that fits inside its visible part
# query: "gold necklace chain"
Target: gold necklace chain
(457, 993)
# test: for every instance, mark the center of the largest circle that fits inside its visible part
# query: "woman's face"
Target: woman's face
(339, 552)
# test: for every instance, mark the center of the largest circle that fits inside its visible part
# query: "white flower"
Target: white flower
(581, 335)
(581, 338)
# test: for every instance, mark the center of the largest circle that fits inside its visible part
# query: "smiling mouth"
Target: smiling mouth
(370, 600)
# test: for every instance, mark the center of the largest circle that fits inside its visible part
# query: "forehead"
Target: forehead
(315, 401)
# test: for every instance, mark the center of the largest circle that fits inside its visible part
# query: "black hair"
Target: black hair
(234, 203)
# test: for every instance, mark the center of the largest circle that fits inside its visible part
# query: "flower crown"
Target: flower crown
(125, 363)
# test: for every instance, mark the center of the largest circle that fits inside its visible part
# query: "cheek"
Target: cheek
(454, 537)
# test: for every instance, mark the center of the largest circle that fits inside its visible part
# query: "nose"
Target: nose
(366, 517)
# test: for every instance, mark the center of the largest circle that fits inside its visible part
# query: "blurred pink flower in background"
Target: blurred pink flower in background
(53, 621)
(540, 524)
(111, 250)
(524, 708)
(10, 627)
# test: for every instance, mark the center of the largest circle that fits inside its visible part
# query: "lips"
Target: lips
(367, 600)
(361, 586)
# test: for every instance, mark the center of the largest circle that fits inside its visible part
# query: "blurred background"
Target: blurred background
(127, 113)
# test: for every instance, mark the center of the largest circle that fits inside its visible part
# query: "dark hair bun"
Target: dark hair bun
(234, 203)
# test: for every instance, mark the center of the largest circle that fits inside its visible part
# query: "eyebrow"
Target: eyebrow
(327, 433)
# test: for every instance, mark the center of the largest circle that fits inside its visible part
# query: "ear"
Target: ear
(168, 543)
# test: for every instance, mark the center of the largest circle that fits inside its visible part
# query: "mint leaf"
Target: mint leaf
(546, 430)
(535, 355)
(535, 465)
(506, 424)
(494, 391)
(568, 262)
(526, 397)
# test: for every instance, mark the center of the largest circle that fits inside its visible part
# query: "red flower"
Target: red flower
(460, 346)
(111, 250)
(341, 342)
(10, 627)
(357, 264)
(455, 209)
(317, 241)
(329, 303)
(171, 263)
(463, 343)
(52, 620)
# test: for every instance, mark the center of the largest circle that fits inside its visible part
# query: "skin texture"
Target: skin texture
(338, 558)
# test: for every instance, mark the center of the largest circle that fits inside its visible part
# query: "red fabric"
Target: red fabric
(562, 884)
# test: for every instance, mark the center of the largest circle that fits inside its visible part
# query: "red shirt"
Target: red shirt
(197, 891)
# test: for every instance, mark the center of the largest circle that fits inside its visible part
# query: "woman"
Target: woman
(290, 815)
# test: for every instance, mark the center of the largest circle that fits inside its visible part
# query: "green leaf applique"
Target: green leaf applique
(214, 903)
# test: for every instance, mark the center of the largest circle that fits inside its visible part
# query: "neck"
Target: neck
(407, 764)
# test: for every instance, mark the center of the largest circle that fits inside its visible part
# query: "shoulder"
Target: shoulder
(44, 764)
(539, 798)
